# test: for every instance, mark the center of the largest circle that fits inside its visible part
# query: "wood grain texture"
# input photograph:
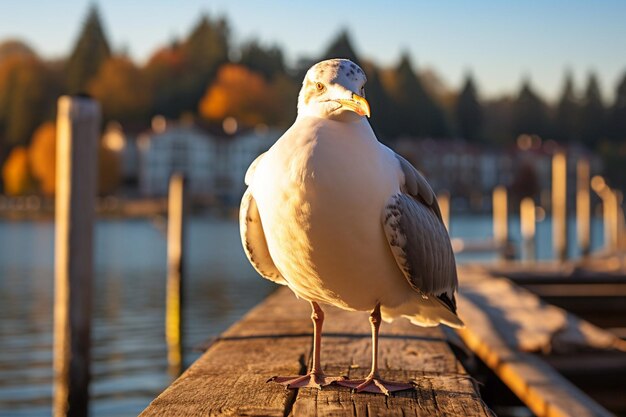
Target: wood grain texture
(275, 339)
(505, 322)
(78, 124)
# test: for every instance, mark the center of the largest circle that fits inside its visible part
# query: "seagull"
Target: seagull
(343, 220)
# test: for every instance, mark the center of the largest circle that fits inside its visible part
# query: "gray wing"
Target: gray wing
(253, 236)
(418, 238)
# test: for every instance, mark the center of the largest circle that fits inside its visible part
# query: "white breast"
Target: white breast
(320, 191)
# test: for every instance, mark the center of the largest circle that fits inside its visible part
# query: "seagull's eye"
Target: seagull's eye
(319, 87)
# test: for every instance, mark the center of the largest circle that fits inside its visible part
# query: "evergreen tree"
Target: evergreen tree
(206, 48)
(341, 47)
(90, 52)
(266, 61)
(530, 113)
(203, 52)
(567, 112)
(28, 91)
(415, 112)
(165, 74)
(380, 103)
(123, 92)
(618, 113)
(469, 113)
(498, 119)
(593, 114)
(180, 73)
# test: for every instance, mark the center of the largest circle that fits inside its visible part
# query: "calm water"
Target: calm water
(129, 355)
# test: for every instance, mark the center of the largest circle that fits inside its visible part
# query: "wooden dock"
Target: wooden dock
(508, 328)
(275, 339)
(517, 335)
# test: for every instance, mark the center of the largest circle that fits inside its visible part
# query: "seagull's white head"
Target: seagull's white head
(334, 89)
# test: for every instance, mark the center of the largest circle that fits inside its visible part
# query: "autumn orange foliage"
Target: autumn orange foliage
(42, 157)
(16, 173)
(237, 92)
(26, 168)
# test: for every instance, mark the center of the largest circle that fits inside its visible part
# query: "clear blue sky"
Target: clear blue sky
(500, 42)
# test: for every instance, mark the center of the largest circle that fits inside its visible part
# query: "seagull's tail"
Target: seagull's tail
(423, 312)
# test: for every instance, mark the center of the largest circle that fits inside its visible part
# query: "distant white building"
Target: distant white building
(235, 156)
(176, 148)
(215, 165)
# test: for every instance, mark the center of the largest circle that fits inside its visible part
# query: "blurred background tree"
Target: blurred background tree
(203, 52)
(42, 163)
(498, 120)
(204, 74)
(618, 113)
(530, 113)
(28, 91)
(382, 117)
(16, 173)
(414, 111)
(165, 74)
(237, 92)
(15, 48)
(42, 157)
(179, 74)
(122, 90)
(90, 52)
(567, 113)
(267, 61)
(469, 112)
(592, 115)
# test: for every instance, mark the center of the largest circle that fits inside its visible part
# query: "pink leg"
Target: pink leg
(315, 378)
(373, 383)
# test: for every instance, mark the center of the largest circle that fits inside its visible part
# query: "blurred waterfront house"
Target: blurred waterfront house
(235, 156)
(214, 161)
(469, 172)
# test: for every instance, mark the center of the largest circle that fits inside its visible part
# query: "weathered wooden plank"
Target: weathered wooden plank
(230, 378)
(504, 323)
(407, 353)
(275, 339)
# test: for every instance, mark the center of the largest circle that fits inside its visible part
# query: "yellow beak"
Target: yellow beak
(357, 104)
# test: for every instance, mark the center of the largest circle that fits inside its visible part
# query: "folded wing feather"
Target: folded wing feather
(418, 238)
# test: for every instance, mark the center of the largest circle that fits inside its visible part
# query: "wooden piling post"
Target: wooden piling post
(620, 220)
(610, 212)
(500, 219)
(78, 122)
(583, 207)
(559, 205)
(444, 205)
(175, 257)
(611, 219)
(527, 225)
